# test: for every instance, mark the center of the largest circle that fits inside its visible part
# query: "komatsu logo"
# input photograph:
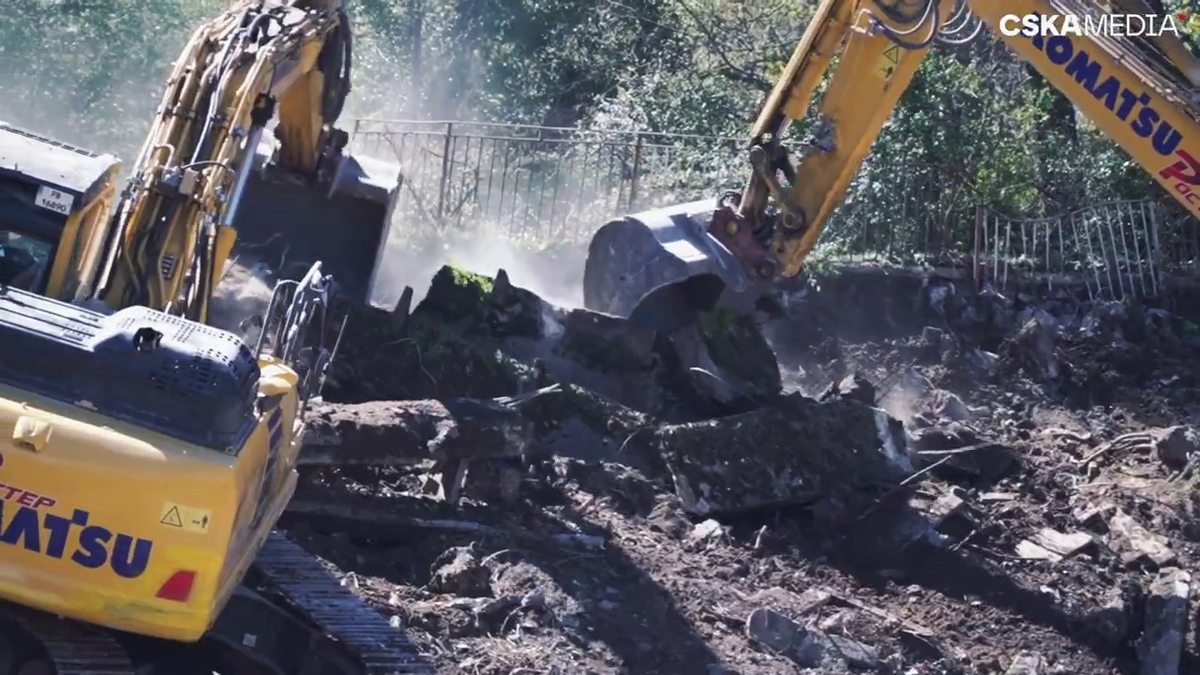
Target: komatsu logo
(1110, 25)
(25, 521)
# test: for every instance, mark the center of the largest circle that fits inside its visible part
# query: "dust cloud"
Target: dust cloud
(555, 276)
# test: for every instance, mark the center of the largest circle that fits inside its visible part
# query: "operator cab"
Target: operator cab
(53, 197)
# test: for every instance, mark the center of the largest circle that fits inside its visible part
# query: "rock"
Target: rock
(741, 354)
(709, 530)
(931, 337)
(1026, 664)
(1093, 516)
(409, 432)
(495, 482)
(793, 450)
(1063, 545)
(1135, 543)
(571, 421)
(807, 648)
(1175, 445)
(950, 406)
(1113, 619)
(1032, 350)
(458, 571)
(853, 387)
(1161, 646)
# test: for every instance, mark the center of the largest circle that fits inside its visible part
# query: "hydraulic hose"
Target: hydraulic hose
(896, 36)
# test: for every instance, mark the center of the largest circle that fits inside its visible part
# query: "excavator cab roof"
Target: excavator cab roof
(45, 166)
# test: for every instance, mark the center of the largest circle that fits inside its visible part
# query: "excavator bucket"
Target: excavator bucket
(662, 268)
(289, 225)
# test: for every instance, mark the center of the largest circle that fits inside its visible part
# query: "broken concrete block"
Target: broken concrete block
(1134, 542)
(1026, 664)
(1065, 545)
(793, 450)
(709, 530)
(1161, 646)
(950, 406)
(1093, 516)
(409, 432)
(1175, 445)
(1031, 551)
(807, 648)
(776, 631)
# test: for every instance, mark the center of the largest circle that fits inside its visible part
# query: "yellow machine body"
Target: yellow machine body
(111, 524)
(145, 456)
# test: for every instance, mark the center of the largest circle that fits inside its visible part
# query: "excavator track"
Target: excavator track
(74, 648)
(301, 578)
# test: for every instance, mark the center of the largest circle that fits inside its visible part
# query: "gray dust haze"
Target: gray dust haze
(557, 278)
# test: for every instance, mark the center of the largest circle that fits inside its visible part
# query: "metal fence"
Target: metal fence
(1113, 248)
(544, 186)
(539, 185)
(1119, 249)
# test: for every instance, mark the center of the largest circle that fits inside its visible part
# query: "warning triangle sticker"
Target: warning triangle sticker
(892, 53)
(172, 518)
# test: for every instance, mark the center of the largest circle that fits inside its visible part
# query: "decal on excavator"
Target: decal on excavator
(1132, 107)
(1185, 177)
(26, 522)
(1118, 98)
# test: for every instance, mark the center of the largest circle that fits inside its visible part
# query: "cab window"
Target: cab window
(24, 260)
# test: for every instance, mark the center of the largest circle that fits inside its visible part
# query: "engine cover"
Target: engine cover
(150, 369)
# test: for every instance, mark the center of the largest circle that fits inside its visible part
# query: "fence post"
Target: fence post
(979, 222)
(444, 180)
(637, 170)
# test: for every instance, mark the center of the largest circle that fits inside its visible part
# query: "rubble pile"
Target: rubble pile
(948, 482)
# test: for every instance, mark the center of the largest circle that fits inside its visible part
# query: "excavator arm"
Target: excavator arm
(662, 267)
(204, 180)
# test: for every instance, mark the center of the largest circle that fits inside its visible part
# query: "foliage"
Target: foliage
(977, 126)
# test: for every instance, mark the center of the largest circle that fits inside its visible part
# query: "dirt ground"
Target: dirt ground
(1057, 525)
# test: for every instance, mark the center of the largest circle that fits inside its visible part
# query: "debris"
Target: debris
(1059, 544)
(950, 406)
(1026, 664)
(1162, 642)
(853, 387)
(1031, 551)
(1176, 445)
(596, 566)
(705, 531)
(458, 571)
(807, 648)
(1112, 620)
(411, 432)
(1092, 516)
(1135, 542)
(793, 450)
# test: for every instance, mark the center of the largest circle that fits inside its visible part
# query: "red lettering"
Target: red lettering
(9, 493)
(1186, 170)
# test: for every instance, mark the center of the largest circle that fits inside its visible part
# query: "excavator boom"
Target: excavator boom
(663, 267)
(206, 177)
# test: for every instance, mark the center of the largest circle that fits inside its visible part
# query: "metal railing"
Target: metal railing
(539, 185)
(543, 186)
(1113, 248)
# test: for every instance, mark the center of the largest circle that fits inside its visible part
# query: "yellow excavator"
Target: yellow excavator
(662, 267)
(145, 455)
